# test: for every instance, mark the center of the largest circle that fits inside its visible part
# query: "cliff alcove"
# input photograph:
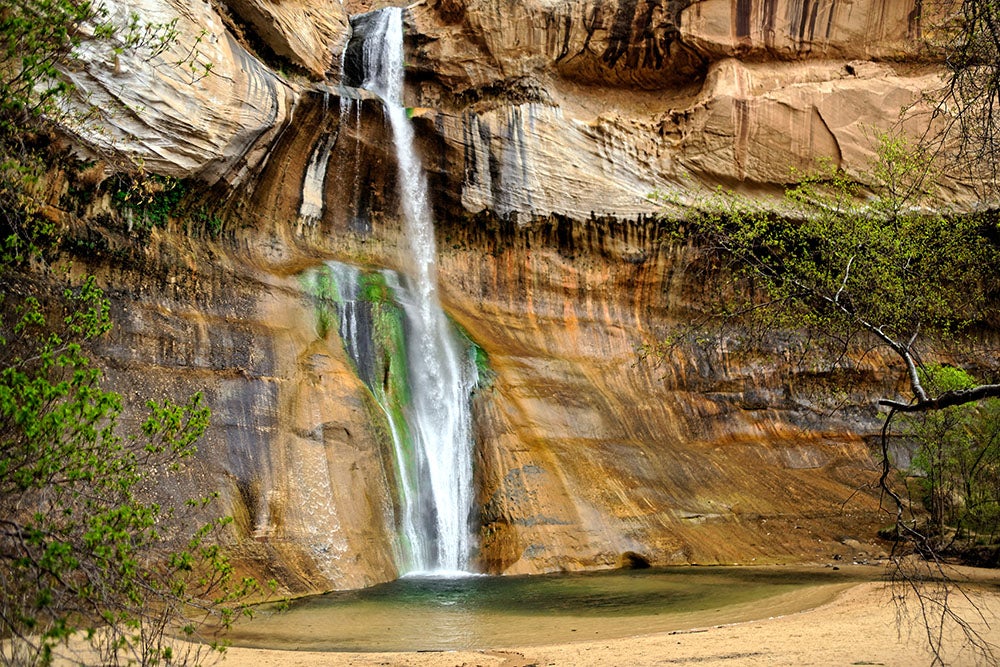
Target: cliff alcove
(544, 128)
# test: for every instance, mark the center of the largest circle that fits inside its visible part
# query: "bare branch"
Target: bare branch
(946, 400)
(843, 284)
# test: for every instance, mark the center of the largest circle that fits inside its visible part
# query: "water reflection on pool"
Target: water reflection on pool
(424, 613)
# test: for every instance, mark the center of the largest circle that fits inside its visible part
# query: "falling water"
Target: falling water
(439, 503)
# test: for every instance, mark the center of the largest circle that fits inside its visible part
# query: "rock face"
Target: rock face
(538, 99)
(651, 44)
(588, 453)
(576, 108)
(294, 449)
(753, 125)
(311, 35)
(195, 106)
(545, 126)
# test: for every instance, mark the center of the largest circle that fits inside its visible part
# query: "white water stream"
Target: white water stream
(441, 374)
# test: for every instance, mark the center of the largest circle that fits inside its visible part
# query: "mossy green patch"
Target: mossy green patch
(390, 341)
(485, 375)
(321, 285)
(374, 288)
(484, 372)
(390, 386)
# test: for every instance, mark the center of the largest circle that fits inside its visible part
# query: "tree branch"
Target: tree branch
(843, 284)
(945, 400)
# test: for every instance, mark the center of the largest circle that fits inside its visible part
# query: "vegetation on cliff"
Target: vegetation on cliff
(891, 271)
(85, 550)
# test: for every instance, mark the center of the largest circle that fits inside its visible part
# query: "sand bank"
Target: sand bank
(861, 625)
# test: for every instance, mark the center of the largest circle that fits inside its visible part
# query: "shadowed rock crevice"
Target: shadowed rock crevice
(630, 560)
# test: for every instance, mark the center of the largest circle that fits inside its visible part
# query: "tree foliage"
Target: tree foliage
(82, 546)
(958, 460)
(887, 267)
(85, 550)
(883, 267)
(38, 37)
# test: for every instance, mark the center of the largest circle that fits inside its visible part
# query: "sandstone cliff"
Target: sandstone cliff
(545, 126)
(569, 108)
(580, 107)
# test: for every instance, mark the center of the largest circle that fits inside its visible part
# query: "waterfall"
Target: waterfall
(436, 472)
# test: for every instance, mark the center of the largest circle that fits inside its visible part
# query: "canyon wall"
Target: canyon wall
(569, 107)
(545, 128)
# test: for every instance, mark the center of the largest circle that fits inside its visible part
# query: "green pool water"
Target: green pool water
(428, 614)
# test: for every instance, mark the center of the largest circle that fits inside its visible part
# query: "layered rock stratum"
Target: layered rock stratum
(545, 127)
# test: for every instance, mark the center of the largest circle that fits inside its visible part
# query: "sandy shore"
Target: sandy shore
(860, 626)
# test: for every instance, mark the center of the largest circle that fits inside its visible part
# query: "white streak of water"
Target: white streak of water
(440, 373)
